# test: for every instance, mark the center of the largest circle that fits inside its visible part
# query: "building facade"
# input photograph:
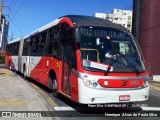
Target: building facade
(3, 33)
(118, 16)
(147, 29)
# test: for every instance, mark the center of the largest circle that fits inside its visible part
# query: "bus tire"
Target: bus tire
(24, 72)
(54, 86)
(10, 67)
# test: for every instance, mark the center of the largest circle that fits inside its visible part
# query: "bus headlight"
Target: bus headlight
(95, 84)
(91, 84)
(87, 83)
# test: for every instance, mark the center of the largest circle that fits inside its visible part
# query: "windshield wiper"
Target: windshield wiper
(106, 72)
(118, 55)
(130, 64)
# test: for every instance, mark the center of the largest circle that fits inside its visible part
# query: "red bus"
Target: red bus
(87, 59)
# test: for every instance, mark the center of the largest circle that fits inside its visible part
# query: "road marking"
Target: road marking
(67, 108)
(151, 108)
(49, 100)
(17, 102)
(62, 108)
(6, 73)
(155, 87)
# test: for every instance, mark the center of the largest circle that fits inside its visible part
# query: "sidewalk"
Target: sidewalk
(154, 85)
(16, 94)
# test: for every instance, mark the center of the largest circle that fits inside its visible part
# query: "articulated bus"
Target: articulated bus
(69, 56)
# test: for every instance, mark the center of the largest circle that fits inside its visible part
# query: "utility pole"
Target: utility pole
(1, 6)
(12, 36)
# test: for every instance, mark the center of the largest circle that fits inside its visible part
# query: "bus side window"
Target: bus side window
(25, 48)
(50, 47)
(53, 42)
(7, 50)
(36, 39)
(53, 49)
(43, 37)
(15, 48)
(35, 50)
(41, 50)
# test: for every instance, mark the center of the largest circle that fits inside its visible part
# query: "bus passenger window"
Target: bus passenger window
(43, 37)
(36, 40)
(50, 47)
(53, 49)
(35, 50)
(41, 49)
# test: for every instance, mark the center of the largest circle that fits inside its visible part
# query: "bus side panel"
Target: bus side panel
(25, 63)
(14, 62)
(7, 59)
(33, 66)
(9, 62)
(44, 66)
(47, 64)
(41, 69)
(59, 76)
(74, 87)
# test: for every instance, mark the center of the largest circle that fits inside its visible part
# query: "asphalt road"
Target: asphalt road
(67, 109)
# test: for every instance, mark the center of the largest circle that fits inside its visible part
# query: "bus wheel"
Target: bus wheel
(10, 67)
(24, 72)
(54, 88)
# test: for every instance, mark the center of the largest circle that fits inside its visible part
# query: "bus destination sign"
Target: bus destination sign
(114, 34)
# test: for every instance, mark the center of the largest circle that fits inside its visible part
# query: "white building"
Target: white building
(100, 15)
(3, 33)
(123, 17)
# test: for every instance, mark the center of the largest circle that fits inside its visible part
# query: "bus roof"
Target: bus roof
(77, 20)
(15, 40)
(80, 20)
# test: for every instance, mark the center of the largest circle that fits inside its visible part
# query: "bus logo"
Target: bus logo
(124, 84)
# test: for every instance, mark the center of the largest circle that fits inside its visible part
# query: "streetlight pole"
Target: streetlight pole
(1, 5)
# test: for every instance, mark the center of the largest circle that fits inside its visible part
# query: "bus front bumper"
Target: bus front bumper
(88, 95)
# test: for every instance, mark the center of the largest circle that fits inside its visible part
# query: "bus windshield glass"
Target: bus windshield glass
(109, 49)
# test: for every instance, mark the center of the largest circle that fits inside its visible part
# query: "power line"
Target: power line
(11, 3)
(17, 24)
(13, 16)
(14, 4)
(17, 10)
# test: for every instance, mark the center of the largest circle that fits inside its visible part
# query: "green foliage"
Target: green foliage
(2, 58)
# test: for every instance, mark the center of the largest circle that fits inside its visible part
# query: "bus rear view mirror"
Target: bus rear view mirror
(77, 35)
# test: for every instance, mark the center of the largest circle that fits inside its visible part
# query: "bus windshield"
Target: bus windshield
(109, 49)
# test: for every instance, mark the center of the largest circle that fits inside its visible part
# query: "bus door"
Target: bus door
(66, 63)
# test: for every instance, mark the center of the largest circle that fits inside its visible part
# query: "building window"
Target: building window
(129, 25)
(129, 17)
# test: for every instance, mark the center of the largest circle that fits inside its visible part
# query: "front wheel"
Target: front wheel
(10, 66)
(24, 73)
(54, 88)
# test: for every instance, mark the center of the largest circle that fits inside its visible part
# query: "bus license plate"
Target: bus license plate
(124, 98)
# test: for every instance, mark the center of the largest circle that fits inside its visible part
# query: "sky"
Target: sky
(25, 16)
